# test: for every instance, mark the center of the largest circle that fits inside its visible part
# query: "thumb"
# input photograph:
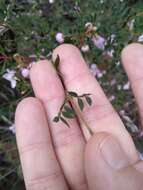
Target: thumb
(107, 165)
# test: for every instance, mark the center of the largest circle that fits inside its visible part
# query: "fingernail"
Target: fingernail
(113, 154)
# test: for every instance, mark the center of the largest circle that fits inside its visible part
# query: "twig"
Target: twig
(79, 116)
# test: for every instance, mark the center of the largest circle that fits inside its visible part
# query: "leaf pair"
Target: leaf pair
(67, 113)
(81, 103)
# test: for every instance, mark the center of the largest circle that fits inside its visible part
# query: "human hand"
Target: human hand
(55, 157)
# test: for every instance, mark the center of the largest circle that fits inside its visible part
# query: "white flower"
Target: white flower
(129, 122)
(3, 29)
(51, 1)
(110, 53)
(140, 38)
(118, 63)
(119, 87)
(25, 72)
(126, 86)
(89, 25)
(12, 128)
(130, 24)
(60, 37)
(112, 38)
(99, 42)
(10, 76)
(122, 112)
(85, 48)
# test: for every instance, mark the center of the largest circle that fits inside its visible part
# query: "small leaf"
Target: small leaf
(64, 121)
(69, 109)
(68, 115)
(81, 104)
(89, 100)
(57, 62)
(74, 94)
(56, 119)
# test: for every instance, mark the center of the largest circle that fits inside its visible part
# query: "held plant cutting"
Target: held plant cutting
(73, 104)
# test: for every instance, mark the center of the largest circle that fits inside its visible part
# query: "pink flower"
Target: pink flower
(60, 37)
(126, 86)
(141, 156)
(96, 71)
(25, 72)
(99, 42)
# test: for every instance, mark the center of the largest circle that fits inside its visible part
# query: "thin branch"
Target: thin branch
(79, 115)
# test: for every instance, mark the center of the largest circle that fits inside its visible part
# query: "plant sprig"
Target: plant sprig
(67, 110)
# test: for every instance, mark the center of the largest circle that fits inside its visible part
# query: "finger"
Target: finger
(132, 58)
(68, 142)
(101, 115)
(40, 167)
(114, 166)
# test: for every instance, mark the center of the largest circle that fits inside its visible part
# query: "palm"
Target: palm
(52, 155)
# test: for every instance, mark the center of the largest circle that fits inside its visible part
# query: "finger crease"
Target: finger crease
(48, 180)
(101, 117)
(37, 145)
(63, 139)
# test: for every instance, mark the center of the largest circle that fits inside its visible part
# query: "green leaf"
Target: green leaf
(89, 100)
(56, 119)
(64, 121)
(69, 109)
(74, 94)
(57, 62)
(68, 115)
(80, 103)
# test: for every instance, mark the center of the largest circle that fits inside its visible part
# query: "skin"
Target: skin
(55, 157)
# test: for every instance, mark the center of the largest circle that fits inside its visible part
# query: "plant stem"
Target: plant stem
(70, 99)
(79, 115)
